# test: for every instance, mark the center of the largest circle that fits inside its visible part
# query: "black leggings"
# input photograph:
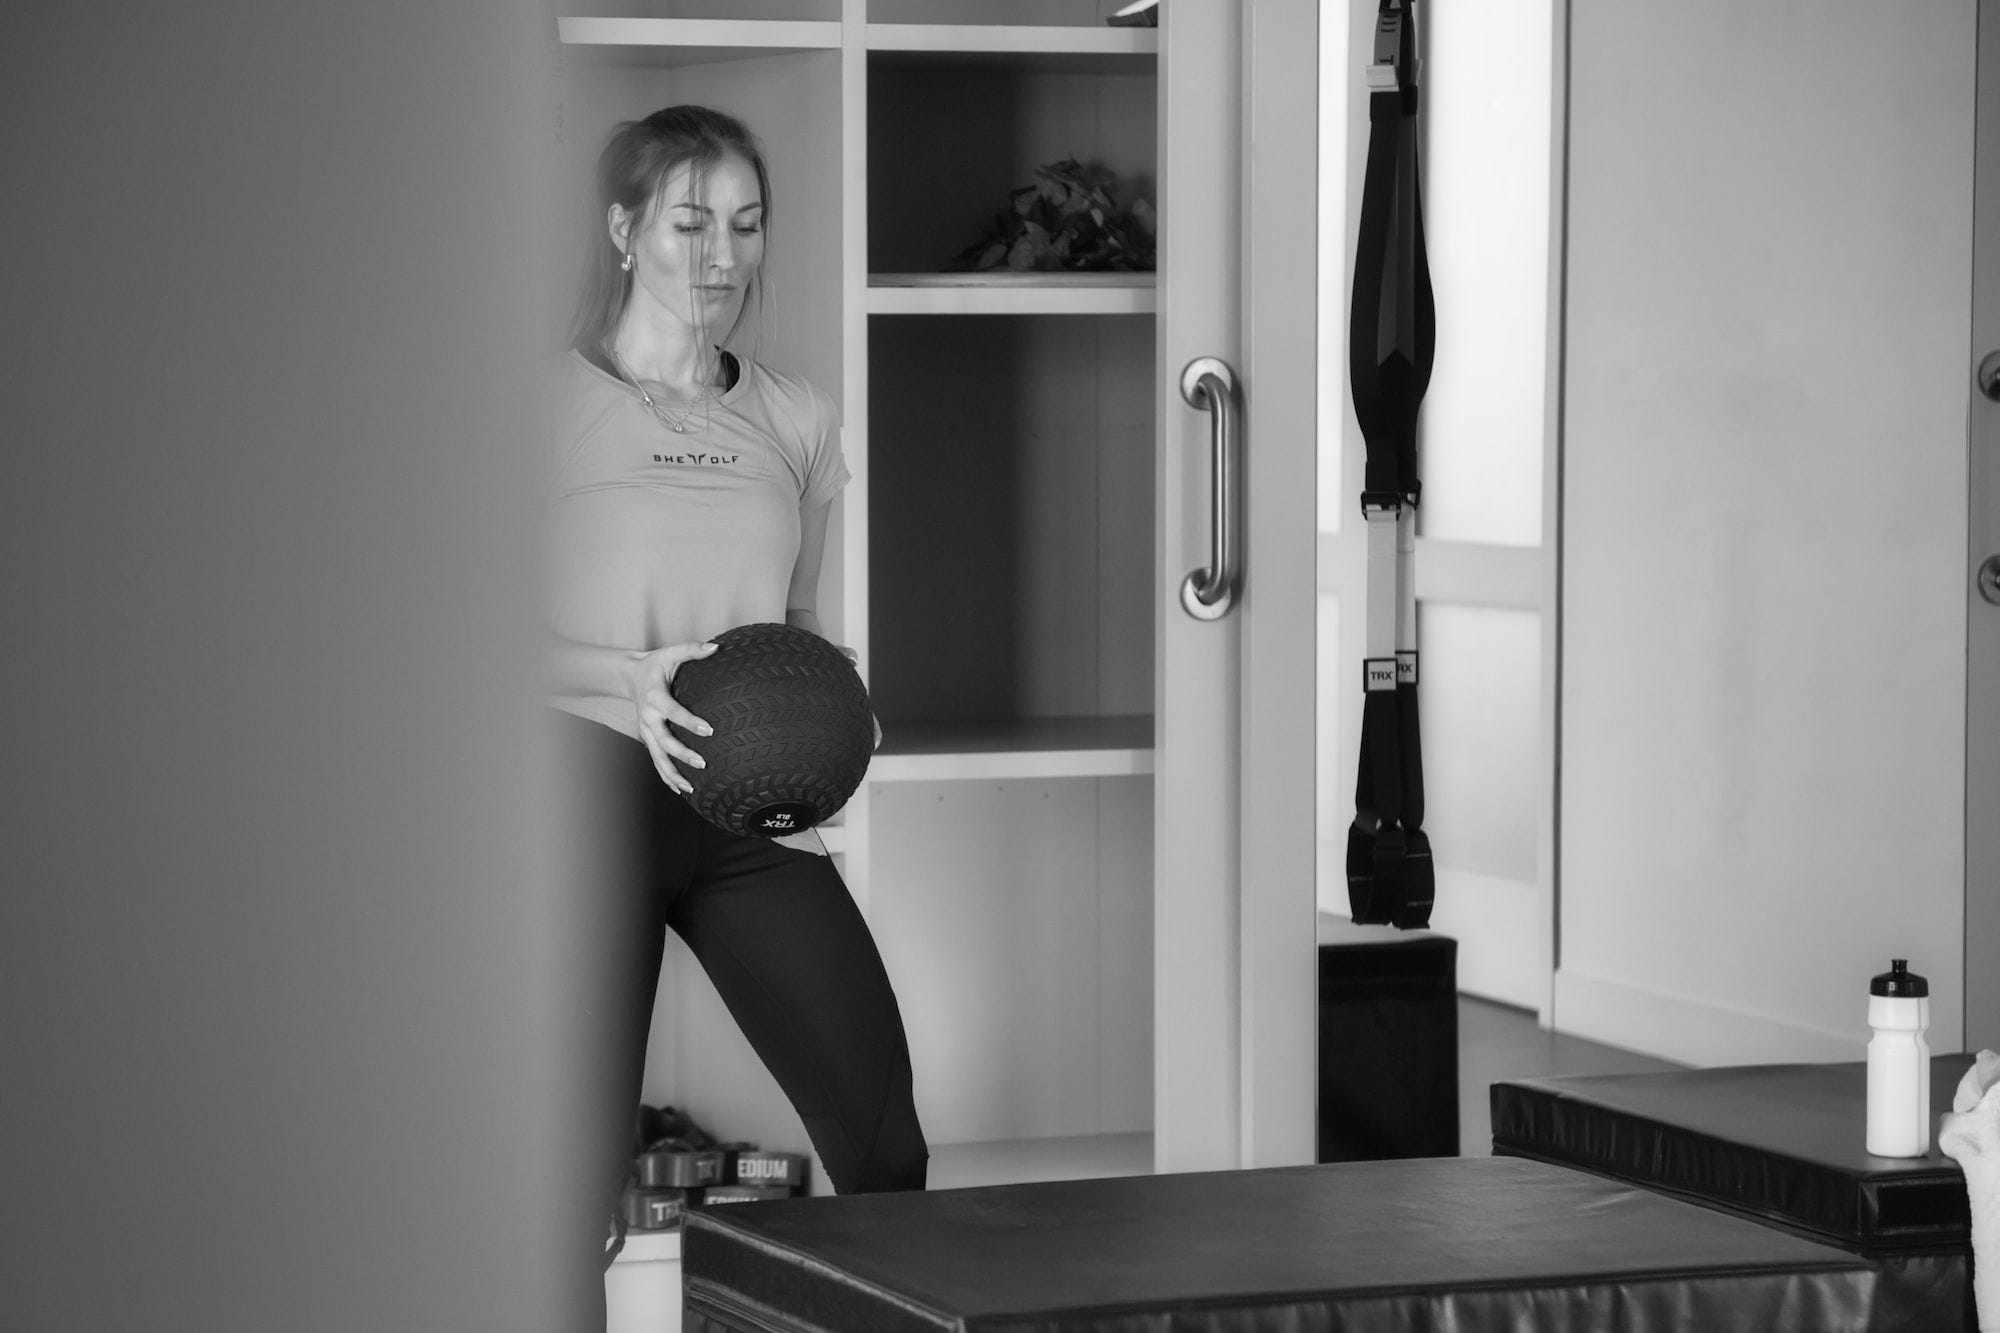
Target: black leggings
(780, 937)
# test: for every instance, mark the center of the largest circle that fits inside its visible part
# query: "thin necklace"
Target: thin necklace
(676, 424)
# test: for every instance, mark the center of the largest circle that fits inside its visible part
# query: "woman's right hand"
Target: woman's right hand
(649, 677)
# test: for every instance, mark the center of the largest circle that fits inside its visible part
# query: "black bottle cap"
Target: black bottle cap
(1900, 981)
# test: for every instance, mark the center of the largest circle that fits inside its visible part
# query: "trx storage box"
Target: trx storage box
(1468, 1243)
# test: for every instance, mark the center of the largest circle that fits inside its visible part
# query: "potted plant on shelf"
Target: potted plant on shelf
(1068, 221)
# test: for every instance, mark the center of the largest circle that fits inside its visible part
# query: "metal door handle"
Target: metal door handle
(1989, 579)
(1209, 384)
(1987, 377)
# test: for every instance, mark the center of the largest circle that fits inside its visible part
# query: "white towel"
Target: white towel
(1970, 1136)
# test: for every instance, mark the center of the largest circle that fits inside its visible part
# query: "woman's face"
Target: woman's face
(697, 249)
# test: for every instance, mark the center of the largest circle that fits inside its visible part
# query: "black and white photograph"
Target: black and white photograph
(1001, 666)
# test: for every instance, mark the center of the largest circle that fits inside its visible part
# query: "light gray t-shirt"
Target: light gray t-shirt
(658, 538)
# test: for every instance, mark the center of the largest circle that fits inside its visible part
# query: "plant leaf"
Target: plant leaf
(1067, 218)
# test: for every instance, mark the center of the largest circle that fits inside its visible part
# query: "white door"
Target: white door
(1982, 773)
(1234, 807)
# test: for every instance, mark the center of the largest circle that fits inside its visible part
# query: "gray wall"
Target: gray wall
(1763, 652)
(274, 929)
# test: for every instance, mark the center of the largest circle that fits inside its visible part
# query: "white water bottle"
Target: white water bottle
(1899, 1063)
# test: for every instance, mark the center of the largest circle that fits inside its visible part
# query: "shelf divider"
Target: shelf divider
(1013, 39)
(692, 41)
(1015, 748)
(1012, 293)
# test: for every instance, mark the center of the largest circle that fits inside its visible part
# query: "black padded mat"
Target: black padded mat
(1427, 1243)
(1784, 1142)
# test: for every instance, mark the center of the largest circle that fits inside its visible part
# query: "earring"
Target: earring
(627, 265)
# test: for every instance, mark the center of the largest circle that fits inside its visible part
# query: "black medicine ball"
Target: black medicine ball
(793, 731)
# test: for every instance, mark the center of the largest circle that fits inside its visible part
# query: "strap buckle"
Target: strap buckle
(1385, 73)
(1392, 502)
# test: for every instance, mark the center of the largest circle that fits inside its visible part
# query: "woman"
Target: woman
(691, 492)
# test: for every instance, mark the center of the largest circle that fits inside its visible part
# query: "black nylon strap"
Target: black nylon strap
(1375, 845)
(1364, 361)
(1392, 337)
(1381, 770)
(1419, 885)
(1391, 342)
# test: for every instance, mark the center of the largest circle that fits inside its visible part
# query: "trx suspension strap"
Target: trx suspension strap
(1391, 339)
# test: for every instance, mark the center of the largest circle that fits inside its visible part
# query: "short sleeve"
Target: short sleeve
(826, 467)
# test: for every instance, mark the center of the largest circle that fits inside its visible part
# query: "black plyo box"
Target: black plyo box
(1782, 1143)
(1388, 1044)
(1429, 1243)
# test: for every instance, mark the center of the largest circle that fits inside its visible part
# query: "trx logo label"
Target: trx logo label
(1406, 668)
(1379, 673)
(699, 460)
(782, 817)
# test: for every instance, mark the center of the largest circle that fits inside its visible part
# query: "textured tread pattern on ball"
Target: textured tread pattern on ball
(792, 727)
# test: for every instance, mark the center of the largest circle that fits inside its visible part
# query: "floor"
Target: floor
(1496, 1041)
(1089, 1157)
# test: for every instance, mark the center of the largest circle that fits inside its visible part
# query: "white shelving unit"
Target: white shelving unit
(1009, 566)
(992, 561)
